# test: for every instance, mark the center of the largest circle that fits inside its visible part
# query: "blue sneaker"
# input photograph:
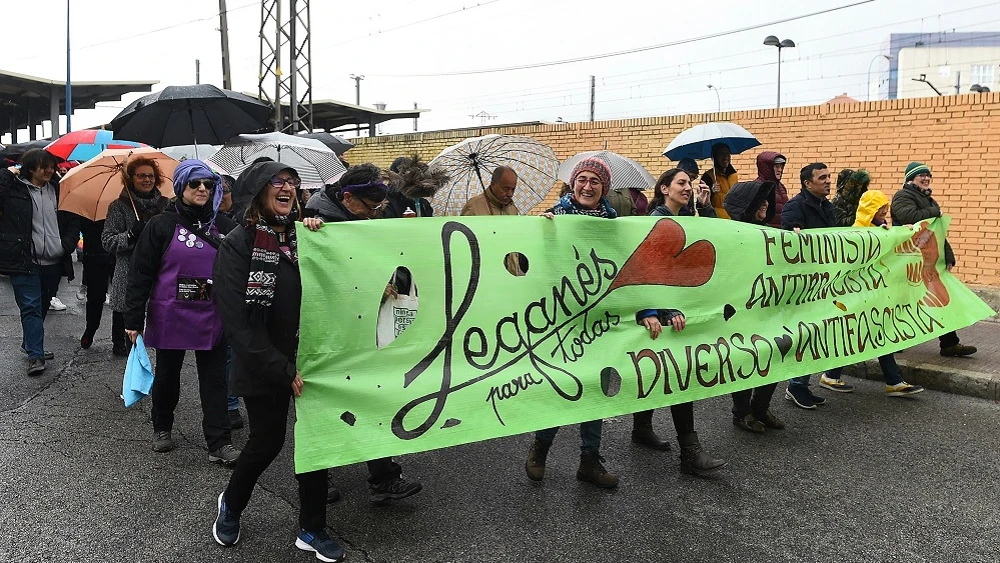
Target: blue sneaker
(321, 544)
(226, 529)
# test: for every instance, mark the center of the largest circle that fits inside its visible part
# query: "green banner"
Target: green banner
(488, 353)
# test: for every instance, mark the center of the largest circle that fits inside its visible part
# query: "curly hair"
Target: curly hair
(133, 163)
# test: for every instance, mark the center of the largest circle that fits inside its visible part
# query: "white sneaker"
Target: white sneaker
(107, 299)
(82, 294)
(57, 305)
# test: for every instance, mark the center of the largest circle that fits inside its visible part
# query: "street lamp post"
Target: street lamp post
(772, 41)
(869, 83)
(717, 97)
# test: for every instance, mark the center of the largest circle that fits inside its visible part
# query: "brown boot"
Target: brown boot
(535, 466)
(592, 470)
(958, 350)
(642, 432)
(694, 460)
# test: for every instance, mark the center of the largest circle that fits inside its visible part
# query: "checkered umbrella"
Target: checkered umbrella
(471, 163)
(315, 162)
(625, 172)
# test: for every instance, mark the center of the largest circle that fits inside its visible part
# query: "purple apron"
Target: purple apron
(181, 314)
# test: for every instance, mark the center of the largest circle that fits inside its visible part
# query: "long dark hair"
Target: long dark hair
(665, 179)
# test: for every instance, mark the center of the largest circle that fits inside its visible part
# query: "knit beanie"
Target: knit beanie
(598, 168)
(689, 165)
(915, 168)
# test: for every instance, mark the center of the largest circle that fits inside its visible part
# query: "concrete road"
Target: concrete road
(864, 478)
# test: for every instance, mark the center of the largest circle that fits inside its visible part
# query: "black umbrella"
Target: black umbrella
(13, 152)
(337, 144)
(188, 115)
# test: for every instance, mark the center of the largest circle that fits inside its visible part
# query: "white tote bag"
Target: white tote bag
(395, 315)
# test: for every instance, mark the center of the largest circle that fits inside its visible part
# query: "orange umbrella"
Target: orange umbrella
(89, 189)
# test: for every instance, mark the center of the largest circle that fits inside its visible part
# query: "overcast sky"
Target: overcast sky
(390, 41)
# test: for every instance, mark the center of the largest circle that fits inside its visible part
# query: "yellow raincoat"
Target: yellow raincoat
(871, 202)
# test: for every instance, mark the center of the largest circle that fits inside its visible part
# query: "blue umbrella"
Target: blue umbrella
(697, 141)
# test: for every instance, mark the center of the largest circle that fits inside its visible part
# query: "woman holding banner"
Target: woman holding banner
(258, 293)
(753, 202)
(589, 181)
(673, 193)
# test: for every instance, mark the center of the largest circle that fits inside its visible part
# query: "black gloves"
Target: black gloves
(136, 230)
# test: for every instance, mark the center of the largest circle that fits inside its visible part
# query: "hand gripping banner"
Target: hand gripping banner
(490, 354)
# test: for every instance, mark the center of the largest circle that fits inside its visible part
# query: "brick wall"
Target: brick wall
(958, 136)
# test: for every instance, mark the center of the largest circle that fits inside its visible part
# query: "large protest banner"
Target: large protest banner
(491, 354)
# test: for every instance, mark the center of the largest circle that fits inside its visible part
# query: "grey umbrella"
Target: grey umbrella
(337, 144)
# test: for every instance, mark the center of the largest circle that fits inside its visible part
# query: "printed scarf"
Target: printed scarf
(264, 260)
(568, 206)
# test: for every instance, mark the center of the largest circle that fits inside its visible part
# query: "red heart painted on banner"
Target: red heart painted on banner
(661, 259)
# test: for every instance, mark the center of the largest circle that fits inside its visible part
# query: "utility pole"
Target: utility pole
(286, 41)
(958, 82)
(69, 84)
(197, 71)
(224, 32)
(357, 88)
(414, 119)
(592, 88)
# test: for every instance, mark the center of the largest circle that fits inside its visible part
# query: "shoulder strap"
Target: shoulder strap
(207, 237)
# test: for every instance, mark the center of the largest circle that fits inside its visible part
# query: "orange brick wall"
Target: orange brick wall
(958, 136)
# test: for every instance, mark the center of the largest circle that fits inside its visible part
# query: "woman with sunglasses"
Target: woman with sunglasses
(171, 271)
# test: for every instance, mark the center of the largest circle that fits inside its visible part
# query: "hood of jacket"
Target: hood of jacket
(251, 182)
(765, 166)
(871, 202)
(745, 198)
(329, 209)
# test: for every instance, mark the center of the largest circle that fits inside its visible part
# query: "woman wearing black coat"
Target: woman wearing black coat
(261, 319)
(753, 202)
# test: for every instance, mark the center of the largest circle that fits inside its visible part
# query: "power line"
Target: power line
(628, 51)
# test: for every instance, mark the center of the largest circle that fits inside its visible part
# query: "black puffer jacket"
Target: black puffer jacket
(17, 254)
(910, 206)
(745, 198)
(806, 211)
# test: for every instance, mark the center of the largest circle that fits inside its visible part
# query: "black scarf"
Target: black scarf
(264, 260)
(146, 205)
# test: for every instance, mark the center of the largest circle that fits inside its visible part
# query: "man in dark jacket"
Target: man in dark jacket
(36, 247)
(810, 209)
(911, 205)
(770, 168)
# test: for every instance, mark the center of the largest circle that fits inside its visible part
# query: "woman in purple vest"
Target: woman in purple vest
(171, 270)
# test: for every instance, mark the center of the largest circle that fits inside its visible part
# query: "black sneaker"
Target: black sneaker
(817, 400)
(36, 367)
(801, 396)
(163, 441)
(235, 420)
(321, 544)
(226, 529)
(394, 489)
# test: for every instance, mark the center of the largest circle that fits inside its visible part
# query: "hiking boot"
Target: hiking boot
(695, 460)
(535, 466)
(643, 434)
(902, 389)
(801, 396)
(36, 367)
(226, 529)
(838, 385)
(321, 544)
(394, 489)
(226, 455)
(770, 420)
(163, 441)
(592, 471)
(749, 423)
(235, 419)
(957, 350)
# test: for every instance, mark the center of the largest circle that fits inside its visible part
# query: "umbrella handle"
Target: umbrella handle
(132, 201)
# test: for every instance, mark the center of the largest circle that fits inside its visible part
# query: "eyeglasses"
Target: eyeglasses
(374, 207)
(594, 182)
(923, 175)
(278, 182)
(195, 184)
(144, 176)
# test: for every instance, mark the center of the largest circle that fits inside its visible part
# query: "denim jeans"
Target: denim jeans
(32, 293)
(590, 435)
(800, 381)
(890, 370)
(232, 403)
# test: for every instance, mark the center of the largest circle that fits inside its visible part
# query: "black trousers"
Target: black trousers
(96, 277)
(948, 339)
(211, 387)
(268, 419)
(382, 470)
(683, 415)
(755, 401)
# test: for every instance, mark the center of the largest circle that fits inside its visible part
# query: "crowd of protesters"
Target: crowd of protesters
(214, 270)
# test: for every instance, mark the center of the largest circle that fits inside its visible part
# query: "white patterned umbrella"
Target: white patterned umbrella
(315, 162)
(625, 172)
(471, 163)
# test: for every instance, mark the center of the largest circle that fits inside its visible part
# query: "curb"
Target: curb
(938, 378)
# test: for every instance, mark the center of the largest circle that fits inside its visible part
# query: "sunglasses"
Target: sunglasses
(195, 184)
(279, 182)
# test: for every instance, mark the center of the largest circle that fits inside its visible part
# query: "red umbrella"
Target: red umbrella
(86, 144)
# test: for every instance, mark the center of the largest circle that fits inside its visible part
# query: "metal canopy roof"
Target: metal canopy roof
(28, 100)
(331, 115)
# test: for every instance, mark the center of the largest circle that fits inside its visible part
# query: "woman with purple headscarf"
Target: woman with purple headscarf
(169, 301)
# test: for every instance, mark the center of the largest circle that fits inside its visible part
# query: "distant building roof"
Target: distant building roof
(27, 99)
(841, 99)
(331, 115)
